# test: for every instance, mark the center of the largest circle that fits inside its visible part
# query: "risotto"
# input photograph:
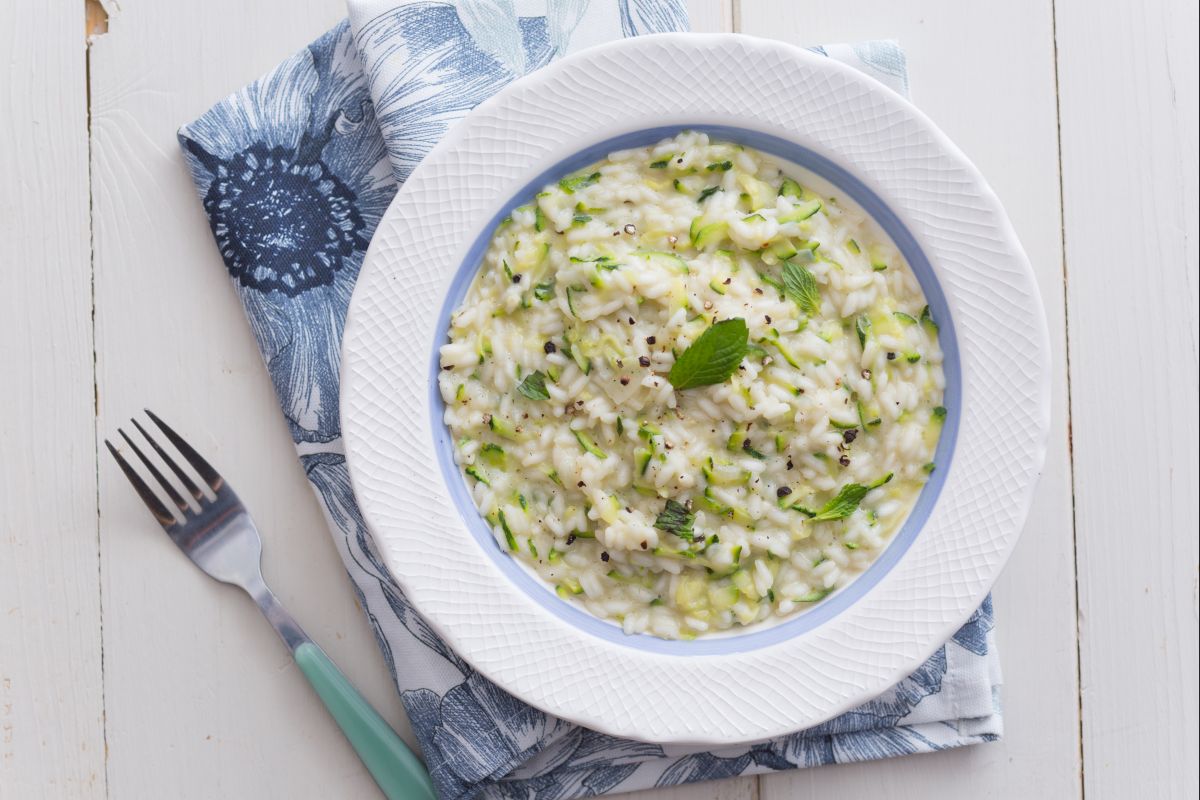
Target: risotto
(692, 388)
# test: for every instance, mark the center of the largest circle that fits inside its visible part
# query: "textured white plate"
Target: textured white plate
(738, 688)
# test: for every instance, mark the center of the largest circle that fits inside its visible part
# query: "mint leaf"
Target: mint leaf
(713, 357)
(863, 326)
(800, 285)
(847, 499)
(534, 386)
(676, 519)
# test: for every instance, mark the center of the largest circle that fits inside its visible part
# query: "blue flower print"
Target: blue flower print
(973, 634)
(476, 733)
(294, 177)
(651, 16)
(432, 62)
(282, 219)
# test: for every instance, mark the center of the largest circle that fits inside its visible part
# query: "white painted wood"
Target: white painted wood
(51, 703)
(1128, 83)
(203, 701)
(710, 16)
(985, 74)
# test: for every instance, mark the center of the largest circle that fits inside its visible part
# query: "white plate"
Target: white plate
(876, 147)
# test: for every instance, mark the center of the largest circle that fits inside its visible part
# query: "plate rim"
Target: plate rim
(1039, 421)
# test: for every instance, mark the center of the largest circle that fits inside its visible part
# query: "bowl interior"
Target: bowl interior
(762, 634)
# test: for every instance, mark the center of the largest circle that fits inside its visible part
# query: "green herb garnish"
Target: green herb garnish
(707, 193)
(720, 166)
(676, 519)
(534, 386)
(847, 499)
(800, 285)
(713, 357)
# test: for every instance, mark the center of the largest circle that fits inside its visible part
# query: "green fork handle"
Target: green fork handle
(394, 767)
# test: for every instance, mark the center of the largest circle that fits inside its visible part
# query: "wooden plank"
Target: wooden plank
(203, 701)
(999, 106)
(1129, 139)
(51, 696)
(710, 16)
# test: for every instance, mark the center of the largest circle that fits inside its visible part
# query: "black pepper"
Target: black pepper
(570, 538)
(768, 318)
(604, 556)
(549, 347)
(891, 356)
(644, 361)
(581, 484)
(517, 278)
(850, 435)
(651, 339)
(790, 464)
(783, 491)
(866, 373)
(624, 380)
(844, 460)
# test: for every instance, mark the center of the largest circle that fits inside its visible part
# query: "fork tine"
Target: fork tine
(176, 498)
(210, 475)
(160, 512)
(184, 478)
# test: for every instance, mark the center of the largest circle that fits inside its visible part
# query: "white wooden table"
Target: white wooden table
(125, 673)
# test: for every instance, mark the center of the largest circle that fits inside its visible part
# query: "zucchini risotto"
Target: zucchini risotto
(692, 388)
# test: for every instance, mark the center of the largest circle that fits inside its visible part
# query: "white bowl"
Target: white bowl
(804, 108)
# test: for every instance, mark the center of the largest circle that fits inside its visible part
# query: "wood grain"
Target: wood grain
(1128, 84)
(1001, 111)
(51, 696)
(203, 701)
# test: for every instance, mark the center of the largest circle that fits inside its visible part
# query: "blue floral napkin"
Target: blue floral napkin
(295, 171)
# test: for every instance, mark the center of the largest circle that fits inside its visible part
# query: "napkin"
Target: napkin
(295, 171)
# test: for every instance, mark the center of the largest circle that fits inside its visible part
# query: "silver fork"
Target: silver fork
(217, 534)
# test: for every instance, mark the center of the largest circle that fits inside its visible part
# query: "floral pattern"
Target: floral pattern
(294, 178)
(294, 172)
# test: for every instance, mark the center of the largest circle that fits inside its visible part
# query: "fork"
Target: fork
(217, 534)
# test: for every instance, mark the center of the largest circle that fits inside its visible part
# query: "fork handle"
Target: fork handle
(398, 772)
